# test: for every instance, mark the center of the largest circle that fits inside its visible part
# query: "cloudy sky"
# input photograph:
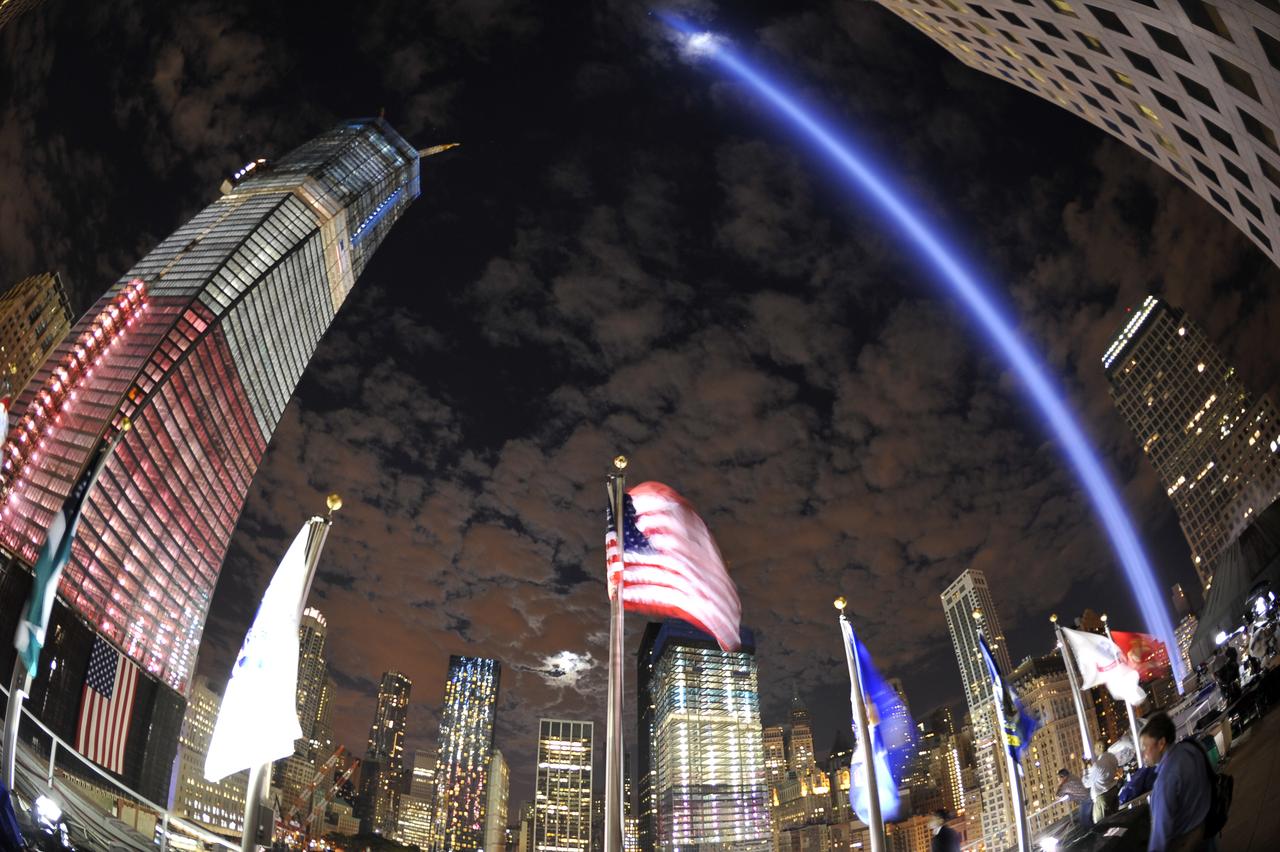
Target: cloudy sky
(629, 254)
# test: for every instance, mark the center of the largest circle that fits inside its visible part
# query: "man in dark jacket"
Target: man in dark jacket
(1182, 793)
(945, 838)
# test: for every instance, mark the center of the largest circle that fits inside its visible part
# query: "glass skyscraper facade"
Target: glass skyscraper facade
(386, 750)
(466, 743)
(201, 345)
(562, 793)
(709, 786)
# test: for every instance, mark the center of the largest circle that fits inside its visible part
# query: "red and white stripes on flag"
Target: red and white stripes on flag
(673, 568)
(106, 706)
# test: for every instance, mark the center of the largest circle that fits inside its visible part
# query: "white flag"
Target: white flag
(258, 720)
(1102, 663)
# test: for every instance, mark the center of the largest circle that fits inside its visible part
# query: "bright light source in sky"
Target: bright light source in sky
(700, 45)
(875, 186)
(566, 668)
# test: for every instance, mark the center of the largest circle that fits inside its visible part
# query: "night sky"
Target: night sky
(628, 253)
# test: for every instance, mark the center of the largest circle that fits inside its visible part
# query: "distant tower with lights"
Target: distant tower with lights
(562, 792)
(386, 753)
(34, 318)
(967, 596)
(466, 743)
(1214, 445)
(803, 760)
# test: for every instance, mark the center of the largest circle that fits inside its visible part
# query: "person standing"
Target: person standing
(945, 838)
(1070, 788)
(1182, 793)
(1100, 780)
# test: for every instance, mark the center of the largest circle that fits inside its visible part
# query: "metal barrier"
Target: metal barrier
(32, 772)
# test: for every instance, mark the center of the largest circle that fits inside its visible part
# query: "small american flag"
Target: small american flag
(673, 568)
(106, 706)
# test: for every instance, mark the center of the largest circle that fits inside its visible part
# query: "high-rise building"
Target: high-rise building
(646, 805)
(200, 345)
(1184, 633)
(562, 791)
(902, 714)
(466, 741)
(495, 809)
(775, 754)
(707, 756)
(218, 805)
(967, 605)
(1178, 597)
(293, 775)
(802, 756)
(1215, 446)
(386, 750)
(417, 802)
(34, 318)
(1041, 683)
(1189, 84)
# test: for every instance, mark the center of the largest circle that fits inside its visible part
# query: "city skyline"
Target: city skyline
(695, 298)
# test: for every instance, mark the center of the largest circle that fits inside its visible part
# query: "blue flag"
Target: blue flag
(53, 557)
(1019, 725)
(892, 734)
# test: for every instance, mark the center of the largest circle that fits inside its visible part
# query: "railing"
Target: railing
(83, 805)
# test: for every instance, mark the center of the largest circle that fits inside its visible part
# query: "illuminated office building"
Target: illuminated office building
(1193, 86)
(562, 792)
(1041, 683)
(775, 754)
(495, 809)
(967, 595)
(386, 752)
(1184, 633)
(293, 775)
(34, 318)
(200, 345)
(802, 756)
(1214, 445)
(1178, 597)
(466, 742)
(217, 805)
(707, 756)
(417, 803)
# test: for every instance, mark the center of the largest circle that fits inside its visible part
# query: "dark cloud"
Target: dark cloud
(627, 254)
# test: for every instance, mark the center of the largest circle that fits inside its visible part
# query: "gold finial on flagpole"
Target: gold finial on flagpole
(840, 603)
(1054, 618)
(125, 424)
(1104, 618)
(620, 463)
(334, 502)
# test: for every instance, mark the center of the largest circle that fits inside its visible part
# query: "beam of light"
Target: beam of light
(965, 286)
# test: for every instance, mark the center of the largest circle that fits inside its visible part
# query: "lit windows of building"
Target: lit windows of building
(217, 805)
(562, 792)
(1214, 445)
(235, 302)
(466, 742)
(970, 594)
(495, 810)
(386, 752)
(802, 756)
(709, 784)
(775, 754)
(34, 318)
(1212, 67)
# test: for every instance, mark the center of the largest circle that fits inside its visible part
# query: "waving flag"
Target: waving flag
(54, 556)
(1102, 663)
(889, 722)
(1144, 653)
(1019, 725)
(673, 568)
(106, 706)
(258, 720)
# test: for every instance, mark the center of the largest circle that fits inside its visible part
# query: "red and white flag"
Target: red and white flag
(106, 706)
(673, 568)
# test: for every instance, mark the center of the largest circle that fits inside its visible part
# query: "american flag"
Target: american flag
(106, 706)
(673, 568)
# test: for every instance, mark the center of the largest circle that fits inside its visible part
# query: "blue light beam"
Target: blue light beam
(920, 235)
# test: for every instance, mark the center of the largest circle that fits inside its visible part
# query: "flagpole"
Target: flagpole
(1011, 764)
(876, 824)
(260, 776)
(1128, 708)
(1069, 662)
(613, 785)
(20, 682)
